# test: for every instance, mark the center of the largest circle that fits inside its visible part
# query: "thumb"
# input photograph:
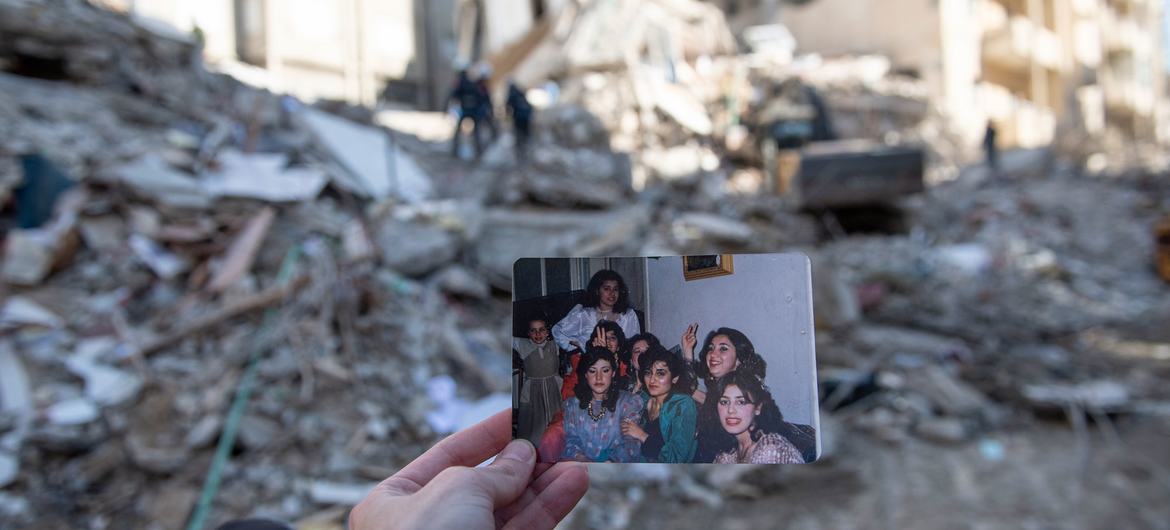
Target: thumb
(506, 478)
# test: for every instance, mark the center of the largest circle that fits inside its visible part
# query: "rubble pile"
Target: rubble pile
(194, 224)
(177, 241)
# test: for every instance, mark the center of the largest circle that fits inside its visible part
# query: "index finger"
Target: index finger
(468, 447)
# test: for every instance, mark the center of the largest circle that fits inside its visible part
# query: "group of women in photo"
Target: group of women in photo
(624, 397)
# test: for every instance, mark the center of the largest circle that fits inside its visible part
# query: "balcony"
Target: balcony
(1124, 92)
(1018, 42)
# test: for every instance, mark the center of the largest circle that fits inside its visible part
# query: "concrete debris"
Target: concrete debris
(364, 152)
(942, 430)
(20, 311)
(382, 267)
(460, 281)
(105, 385)
(322, 492)
(204, 432)
(153, 178)
(262, 176)
(1100, 396)
(75, 411)
(257, 432)
(162, 262)
(30, 255)
(415, 248)
(242, 252)
(702, 226)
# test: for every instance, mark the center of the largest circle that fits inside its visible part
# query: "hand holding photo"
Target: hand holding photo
(605, 388)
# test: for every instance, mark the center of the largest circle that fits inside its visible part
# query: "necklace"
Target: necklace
(596, 417)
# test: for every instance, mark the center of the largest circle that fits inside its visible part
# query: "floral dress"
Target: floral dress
(602, 440)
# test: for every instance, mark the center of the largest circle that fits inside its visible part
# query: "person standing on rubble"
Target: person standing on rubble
(521, 112)
(990, 149)
(485, 113)
(467, 94)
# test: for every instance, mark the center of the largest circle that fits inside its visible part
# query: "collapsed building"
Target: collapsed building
(327, 283)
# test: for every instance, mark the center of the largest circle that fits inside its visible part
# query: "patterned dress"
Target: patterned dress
(771, 448)
(602, 440)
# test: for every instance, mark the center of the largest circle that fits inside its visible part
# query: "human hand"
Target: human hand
(633, 430)
(599, 338)
(439, 490)
(652, 408)
(689, 340)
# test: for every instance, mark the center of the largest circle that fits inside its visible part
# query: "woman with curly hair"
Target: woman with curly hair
(632, 354)
(594, 415)
(606, 298)
(725, 351)
(750, 428)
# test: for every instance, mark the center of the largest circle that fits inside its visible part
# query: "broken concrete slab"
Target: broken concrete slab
(355, 242)
(946, 393)
(105, 385)
(362, 151)
(898, 340)
(944, 430)
(76, 411)
(460, 281)
(1100, 395)
(262, 176)
(409, 182)
(415, 248)
(31, 255)
(152, 177)
(22, 311)
(161, 261)
(679, 164)
(705, 226)
(105, 234)
(675, 101)
(511, 234)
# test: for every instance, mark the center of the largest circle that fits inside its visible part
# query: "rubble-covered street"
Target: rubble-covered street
(188, 259)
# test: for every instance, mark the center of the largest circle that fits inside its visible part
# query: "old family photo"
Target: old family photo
(697, 359)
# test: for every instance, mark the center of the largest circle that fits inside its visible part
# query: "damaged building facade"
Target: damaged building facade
(360, 51)
(1025, 65)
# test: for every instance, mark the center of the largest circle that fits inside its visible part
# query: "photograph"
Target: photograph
(673, 359)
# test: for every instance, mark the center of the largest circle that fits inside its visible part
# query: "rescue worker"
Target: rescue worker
(521, 112)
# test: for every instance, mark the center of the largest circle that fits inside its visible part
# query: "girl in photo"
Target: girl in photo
(725, 350)
(749, 427)
(608, 335)
(606, 299)
(540, 397)
(594, 415)
(635, 347)
(667, 430)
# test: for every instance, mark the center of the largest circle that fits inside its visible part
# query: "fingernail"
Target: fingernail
(520, 450)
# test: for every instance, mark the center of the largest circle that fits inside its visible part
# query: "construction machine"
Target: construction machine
(804, 159)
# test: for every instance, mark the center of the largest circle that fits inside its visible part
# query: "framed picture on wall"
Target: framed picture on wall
(707, 266)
